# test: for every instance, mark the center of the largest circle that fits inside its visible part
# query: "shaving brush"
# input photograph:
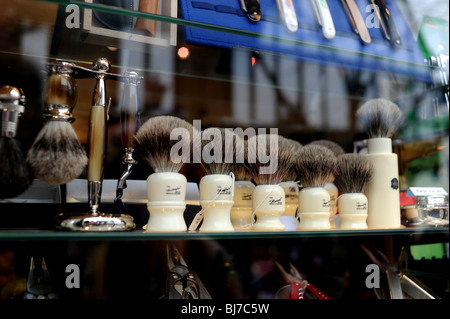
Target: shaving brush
(164, 143)
(381, 118)
(315, 168)
(57, 156)
(353, 172)
(241, 212)
(216, 186)
(269, 161)
(330, 186)
(15, 176)
(291, 189)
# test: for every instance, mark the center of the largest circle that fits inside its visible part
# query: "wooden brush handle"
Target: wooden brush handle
(146, 25)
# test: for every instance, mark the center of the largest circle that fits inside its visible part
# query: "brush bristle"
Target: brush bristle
(57, 156)
(266, 144)
(315, 166)
(15, 175)
(153, 143)
(332, 146)
(239, 169)
(379, 117)
(353, 172)
(293, 147)
(218, 146)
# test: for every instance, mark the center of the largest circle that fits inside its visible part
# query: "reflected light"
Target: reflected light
(183, 53)
(253, 61)
(112, 48)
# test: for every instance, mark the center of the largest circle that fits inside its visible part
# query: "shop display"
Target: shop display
(217, 186)
(57, 156)
(381, 118)
(15, 176)
(173, 211)
(353, 172)
(315, 166)
(166, 187)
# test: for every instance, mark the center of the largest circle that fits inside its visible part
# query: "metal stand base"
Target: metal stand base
(96, 223)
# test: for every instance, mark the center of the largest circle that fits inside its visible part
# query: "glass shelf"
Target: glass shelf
(140, 235)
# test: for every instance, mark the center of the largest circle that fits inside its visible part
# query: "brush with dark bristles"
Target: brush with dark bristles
(353, 172)
(153, 143)
(15, 176)
(332, 146)
(380, 117)
(315, 166)
(57, 156)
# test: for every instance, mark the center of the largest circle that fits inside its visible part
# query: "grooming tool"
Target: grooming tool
(252, 8)
(147, 26)
(217, 186)
(330, 186)
(95, 220)
(181, 282)
(381, 118)
(400, 284)
(324, 18)
(57, 156)
(241, 212)
(387, 23)
(39, 284)
(356, 20)
(298, 288)
(15, 175)
(129, 117)
(288, 15)
(291, 190)
(353, 172)
(158, 142)
(269, 201)
(315, 168)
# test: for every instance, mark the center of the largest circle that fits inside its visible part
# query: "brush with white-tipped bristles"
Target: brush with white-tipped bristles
(353, 172)
(217, 186)
(165, 143)
(57, 156)
(241, 212)
(315, 167)
(381, 118)
(330, 186)
(269, 160)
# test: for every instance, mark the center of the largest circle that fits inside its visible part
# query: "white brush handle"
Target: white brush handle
(216, 199)
(314, 209)
(382, 191)
(324, 17)
(268, 205)
(353, 211)
(166, 193)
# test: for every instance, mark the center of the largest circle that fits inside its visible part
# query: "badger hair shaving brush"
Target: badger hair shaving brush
(315, 168)
(381, 118)
(164, 143)
(57, 156)
(217, 185)
(353, 172)
(269, 161)
(15, 175)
